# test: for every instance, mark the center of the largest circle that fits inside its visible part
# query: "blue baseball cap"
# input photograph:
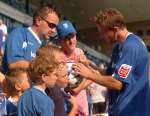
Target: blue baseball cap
(64, 28)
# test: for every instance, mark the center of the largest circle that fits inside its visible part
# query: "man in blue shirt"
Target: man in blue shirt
(130, 77)
(116, 52)
(22, 43)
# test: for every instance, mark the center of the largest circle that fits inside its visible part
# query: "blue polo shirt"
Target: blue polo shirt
(35, 102)
(116, 52)
(132, 70)
(21, 44)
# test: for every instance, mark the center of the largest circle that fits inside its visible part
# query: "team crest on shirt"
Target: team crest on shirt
(65, 25)
(33, 54)
(124, 70)
(24, 45)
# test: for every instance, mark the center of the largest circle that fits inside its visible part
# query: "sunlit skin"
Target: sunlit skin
(42, 30)
(106, 34)
(41, 27)
(116, 34)
(69, 43)
(50, 79)
(62, 73)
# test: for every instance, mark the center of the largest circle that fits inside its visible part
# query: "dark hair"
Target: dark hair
(44, 11)
(110, 18)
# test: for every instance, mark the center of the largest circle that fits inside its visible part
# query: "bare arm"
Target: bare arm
(84, 84)
(74, 109)
(90, 73)
(21, 64)
(108, 81)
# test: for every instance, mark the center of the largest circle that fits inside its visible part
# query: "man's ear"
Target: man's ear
(37, 21)
(18, 86)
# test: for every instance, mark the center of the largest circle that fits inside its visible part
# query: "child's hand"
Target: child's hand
(2, 78)
(74, 103)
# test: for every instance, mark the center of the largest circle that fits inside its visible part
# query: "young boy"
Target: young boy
(62, 82)
(16, 83)
(35, 102)
(56, 93)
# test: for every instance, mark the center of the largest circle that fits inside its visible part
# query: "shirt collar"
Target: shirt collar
(40, 89)
(35, 35)
(129, 33)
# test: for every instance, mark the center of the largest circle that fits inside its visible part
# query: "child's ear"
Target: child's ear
(43, 77)
(115, 28)
(18, 86)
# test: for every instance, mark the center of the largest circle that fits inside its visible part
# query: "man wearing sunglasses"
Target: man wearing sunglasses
(23, 43)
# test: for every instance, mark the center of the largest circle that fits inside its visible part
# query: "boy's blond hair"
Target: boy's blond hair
(44, 63)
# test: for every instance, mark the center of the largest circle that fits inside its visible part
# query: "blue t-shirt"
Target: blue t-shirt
(116, 52)
(34, 102)
(132, 71)
(11, 109)
(21, 44)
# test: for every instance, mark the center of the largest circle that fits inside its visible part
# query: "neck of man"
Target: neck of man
(35, 29)
(122, 35)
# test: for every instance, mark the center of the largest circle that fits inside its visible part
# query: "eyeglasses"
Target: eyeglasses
(50, 25)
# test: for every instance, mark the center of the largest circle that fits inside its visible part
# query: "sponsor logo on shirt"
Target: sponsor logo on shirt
(124, 70)
(66, 25)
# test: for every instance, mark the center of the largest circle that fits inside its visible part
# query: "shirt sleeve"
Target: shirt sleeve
(126, 64)
(5, 30)
(14, 46)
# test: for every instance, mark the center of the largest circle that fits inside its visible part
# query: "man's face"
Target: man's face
(69, 43)
(106, 34)
(48, 25)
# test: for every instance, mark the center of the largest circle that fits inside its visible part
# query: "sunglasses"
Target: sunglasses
(50, 25)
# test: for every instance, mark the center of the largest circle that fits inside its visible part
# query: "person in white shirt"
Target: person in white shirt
(3, 27)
